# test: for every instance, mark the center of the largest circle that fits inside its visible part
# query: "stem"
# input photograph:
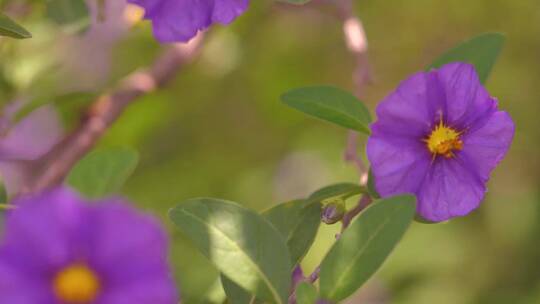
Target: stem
(356, 41)
(51, 169)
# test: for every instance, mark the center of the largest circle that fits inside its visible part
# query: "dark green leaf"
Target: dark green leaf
(364, 246)
(235, 294)
(103, 172)
(306, 293)
(340, 190)
(330, 104)
(371, 185)
(298, 222)
(72, 15)
(481, 51)
(242, 245)
(11, 29)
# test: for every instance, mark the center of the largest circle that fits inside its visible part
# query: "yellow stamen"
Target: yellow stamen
(443, 140)
(76, 284)
(133, 14)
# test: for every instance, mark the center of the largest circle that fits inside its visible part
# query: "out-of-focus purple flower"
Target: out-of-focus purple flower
(96, 46)
(28, 139)
(439, 136)
(57, 249)
(181, 20)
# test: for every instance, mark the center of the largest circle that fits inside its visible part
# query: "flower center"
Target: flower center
(76, 284)
(443, 140)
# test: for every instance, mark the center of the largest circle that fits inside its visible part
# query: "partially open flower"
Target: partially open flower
(439, 136)
(58, 249)
(181, 20)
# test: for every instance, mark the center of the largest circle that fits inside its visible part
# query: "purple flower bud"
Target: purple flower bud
(333, 212)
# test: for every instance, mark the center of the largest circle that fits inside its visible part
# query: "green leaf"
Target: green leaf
(340, 190)
(364, 246)
(306, 293)
(298, 223)
(72, 15)
(235, 294)
(481, 51)
(331, 104)
(241, 244)
(11, 29)
(371, 185)
(103, 172)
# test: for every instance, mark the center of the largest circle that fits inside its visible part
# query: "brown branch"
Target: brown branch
(355, 38)
(52, 169)
(356, 41)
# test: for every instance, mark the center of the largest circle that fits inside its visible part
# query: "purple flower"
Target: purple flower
(439, 136)
(181, 20)
(57, 249)
(26, 140)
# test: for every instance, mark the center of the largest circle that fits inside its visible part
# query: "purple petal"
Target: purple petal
(12, 282)
(33, 136)
(449, 189)
(225, 11)
(181, 20)
(399, 166)
(486, 146)
(124, 236)
(147, 290)
(129, 249)
(39, 234)
(467, 101)
(411, 110)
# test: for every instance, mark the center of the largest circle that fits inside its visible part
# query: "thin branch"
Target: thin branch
(51, 169)
(357, 44)
(351, 214)
(355, 38)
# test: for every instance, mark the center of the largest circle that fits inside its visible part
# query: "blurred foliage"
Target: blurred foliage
(220, 130)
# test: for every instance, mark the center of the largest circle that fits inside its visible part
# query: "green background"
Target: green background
(220, 130)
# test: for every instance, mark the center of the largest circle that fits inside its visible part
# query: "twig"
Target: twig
(356, 41)
(51, 169)
(351, 214)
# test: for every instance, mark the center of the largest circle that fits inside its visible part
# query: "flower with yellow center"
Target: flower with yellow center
(443, 140)
(76, 284)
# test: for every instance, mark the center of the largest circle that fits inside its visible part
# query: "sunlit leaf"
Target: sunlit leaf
(245, 247)
(364, 246)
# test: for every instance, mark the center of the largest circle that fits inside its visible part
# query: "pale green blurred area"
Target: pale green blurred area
(220, 130)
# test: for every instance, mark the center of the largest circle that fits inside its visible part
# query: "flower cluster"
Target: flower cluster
(181, 20)
(58, 249)
(439, 136)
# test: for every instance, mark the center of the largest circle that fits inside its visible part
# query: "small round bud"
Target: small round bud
(333, 212)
